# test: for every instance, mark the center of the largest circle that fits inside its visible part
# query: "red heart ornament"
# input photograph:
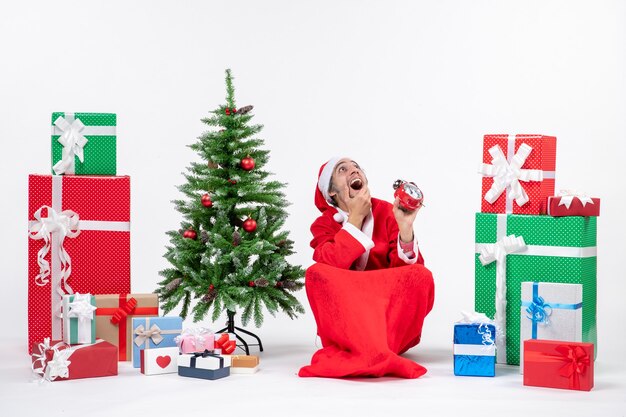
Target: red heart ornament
(163, 361)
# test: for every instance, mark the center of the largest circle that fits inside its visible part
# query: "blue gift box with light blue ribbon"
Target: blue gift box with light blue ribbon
(474, 349)
(550, 311)
(154, 332)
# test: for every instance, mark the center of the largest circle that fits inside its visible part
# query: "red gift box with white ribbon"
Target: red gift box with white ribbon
(558, 364)
(58, 361)
(571, 203)
(79, 229)
(518, 173)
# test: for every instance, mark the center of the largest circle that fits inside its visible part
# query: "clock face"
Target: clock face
(413, 191)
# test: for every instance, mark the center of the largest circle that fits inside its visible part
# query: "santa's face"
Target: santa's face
(347, 180)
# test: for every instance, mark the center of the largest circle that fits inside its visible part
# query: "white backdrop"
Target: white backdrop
(407, 88)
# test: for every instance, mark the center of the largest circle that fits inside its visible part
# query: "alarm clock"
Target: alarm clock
(411, 197)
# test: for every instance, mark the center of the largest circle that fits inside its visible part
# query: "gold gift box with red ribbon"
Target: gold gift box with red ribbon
(114, 315)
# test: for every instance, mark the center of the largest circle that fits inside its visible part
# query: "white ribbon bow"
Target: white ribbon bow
(198, 336)
(567, 196)
(508, 175)
(73, 143)
(498, 252)
(64, 225)
(143, 334)
(482, 320)
(505, 246)
(81, 308)
(58, 366)
(474, 318)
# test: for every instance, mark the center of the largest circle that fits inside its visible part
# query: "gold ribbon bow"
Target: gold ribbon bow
(143, 334)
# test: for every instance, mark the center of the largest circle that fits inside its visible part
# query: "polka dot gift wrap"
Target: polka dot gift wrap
(557, 250)
(84, 143)
(524, 166)
(93, 214)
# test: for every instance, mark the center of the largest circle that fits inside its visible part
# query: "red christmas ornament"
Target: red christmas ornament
(234, 110)
(249, 225)
(251, 284)
(211, 287)
(227, 111)
(190, 234)
(233, 182)
(279, 284)
(206, 201)
(247, 163)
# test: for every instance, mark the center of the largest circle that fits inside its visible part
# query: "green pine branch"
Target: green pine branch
(226, 267)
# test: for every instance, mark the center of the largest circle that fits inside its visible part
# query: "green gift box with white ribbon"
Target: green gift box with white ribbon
(514, 248)
(84, 143)
(79, 319)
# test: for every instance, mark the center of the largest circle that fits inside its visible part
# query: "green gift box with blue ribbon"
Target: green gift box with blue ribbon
(550, 311)
(84, 143)
(511, 249)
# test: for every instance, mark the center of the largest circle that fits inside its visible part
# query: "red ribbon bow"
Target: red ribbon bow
(228, 346)
(123, 312)
(576, 362)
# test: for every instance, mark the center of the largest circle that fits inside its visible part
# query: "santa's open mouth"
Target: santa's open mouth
(356, 184)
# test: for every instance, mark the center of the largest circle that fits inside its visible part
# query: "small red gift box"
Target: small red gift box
(58, 361)
(558, 364)
(572, 205)
(518, 173)
(79, 242)
(225, 343)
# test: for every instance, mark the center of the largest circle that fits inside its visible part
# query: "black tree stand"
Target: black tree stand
(230, 328)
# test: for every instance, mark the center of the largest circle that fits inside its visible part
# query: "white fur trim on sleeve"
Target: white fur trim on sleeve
(363, 239)
(402, 255)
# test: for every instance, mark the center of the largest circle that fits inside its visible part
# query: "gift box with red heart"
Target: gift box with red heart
(558, 364)
(154, 332)
(159, 361)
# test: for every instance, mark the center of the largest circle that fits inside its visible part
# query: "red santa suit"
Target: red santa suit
(368, 292)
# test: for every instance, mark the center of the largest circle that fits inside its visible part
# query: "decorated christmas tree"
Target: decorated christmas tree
(230, 253)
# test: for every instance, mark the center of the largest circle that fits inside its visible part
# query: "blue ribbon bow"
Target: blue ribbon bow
(538, 310)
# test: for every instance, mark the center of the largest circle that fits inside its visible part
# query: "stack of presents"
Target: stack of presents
(535, 271)
(82, 316)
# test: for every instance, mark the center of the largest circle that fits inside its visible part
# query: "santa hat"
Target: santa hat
(322, 198)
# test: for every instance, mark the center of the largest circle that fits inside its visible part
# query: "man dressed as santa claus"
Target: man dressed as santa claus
(369, 290)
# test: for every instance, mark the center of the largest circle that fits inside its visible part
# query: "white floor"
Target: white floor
(277, 391)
